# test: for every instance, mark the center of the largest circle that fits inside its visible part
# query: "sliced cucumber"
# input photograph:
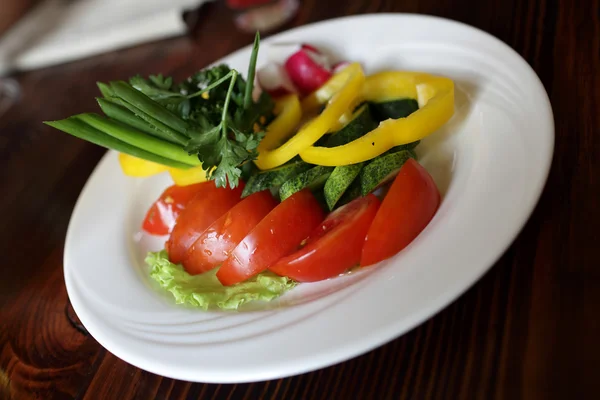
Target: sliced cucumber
(312, 179)
(249, 169)
(339, 181)
(408, 146)
(361, 123)
(272, 179)
(342, 177)
(382, 170)
(394, 109)
(351, 193)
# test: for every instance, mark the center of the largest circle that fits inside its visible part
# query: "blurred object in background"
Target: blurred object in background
(9, 94)
(12, 11)
(263, 15)
(58, 31)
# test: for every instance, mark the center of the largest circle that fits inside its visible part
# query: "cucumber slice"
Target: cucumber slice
(408, 146)
(353, 192)
(312, 179)
(361, 123)
(382, 170)
(338, 182)
(342, 177)
(394, 109)
(273, 178)
(249, 169)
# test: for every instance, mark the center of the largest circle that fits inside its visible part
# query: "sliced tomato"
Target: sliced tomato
(217, 242)
(200, 213)
(407, 208)
(161, 217)
(334, 246)
(275, 236)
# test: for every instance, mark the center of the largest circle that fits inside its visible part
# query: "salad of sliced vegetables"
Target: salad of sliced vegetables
(300, 173)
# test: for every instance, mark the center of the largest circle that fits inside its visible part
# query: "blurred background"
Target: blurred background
(38, 33)
(41, 33)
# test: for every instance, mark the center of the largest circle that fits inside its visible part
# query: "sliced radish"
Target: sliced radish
(311, 48)
(340, 66)
(280, 52)
(317, 56)
(308, 70)
(273, 79)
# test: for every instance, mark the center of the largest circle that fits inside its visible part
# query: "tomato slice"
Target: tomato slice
(162, 215)
(208, 206)
(275, 236)
(217, 242)
(334, 246)
(409, 205)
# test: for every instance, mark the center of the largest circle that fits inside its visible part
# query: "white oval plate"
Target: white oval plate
(490, 161)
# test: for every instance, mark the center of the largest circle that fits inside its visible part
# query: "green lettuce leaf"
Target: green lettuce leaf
(205, 290)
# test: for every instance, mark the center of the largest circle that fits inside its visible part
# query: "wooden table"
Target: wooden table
(529, 329)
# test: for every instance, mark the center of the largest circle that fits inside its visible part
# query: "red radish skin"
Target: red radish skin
(317, 56)
(280, 52)
(311, 48)
(307, 70)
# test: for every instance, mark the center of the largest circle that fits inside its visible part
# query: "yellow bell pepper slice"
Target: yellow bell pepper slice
(390, 85)
(381, 87)
(435, 93)
(288, 114)
(139, 168)
(185, 177)
(340, 92)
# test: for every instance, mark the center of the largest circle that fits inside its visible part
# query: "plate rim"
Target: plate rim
(382, 339)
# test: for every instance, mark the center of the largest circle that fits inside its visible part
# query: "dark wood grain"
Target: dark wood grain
(13, 11)
(529, 329)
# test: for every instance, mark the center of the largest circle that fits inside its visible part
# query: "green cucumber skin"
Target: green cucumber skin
(381, 170)
(272, 179)
(248, 170)
(353, 192)
(343, 184)
(342, 176)
(394, 109)
(312, 179)
(339, 181)
(408, 146)
(356, 128)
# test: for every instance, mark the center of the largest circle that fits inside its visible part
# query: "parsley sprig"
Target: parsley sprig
(209, 119)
